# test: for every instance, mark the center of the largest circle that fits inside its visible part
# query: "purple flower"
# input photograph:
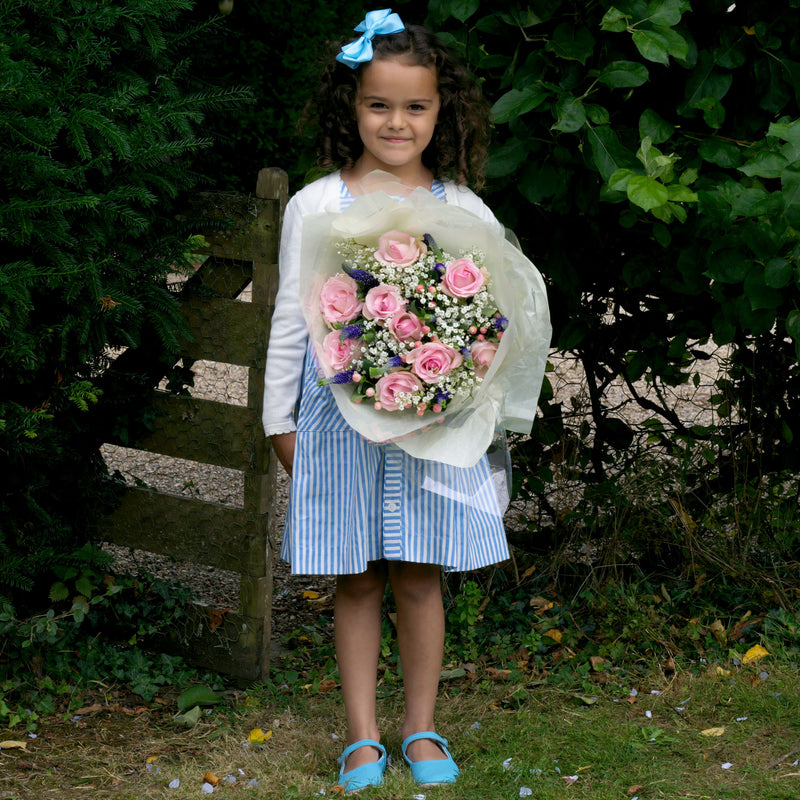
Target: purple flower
(366, 279)
(339, 377)
(500, 323)
(394, 361)
(351, 332)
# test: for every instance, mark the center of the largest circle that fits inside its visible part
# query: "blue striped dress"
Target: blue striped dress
(353, 501)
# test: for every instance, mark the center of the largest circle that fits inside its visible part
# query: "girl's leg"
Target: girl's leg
(357, 627)
(420, 638)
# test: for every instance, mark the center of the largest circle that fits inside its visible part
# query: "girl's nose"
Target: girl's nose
(397, 119)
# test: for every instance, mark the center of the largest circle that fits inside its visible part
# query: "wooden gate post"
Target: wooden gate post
(243, 241)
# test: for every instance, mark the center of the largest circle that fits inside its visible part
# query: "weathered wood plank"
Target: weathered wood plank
(221, 536)
(206, 431)
(229, 331)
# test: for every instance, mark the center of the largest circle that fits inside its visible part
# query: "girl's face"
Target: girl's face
(396, 110)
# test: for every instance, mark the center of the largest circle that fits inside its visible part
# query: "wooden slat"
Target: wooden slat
(206, 431)
(221, 536)
(227, 330)
(220, 640)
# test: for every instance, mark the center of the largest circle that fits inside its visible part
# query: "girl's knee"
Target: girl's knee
(415, 583)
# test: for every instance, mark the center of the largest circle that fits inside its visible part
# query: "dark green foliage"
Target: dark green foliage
(646, 153)
(96, 127)
(278, 50)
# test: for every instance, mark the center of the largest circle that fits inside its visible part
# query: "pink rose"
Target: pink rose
(400, 249)
(382, 301)
(432, 360)
(391, 385)
(340, 353)
(406, 326)
(462, 278)
(338, 300)
(483, 354)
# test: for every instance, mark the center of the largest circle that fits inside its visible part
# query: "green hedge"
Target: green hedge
(97, 125)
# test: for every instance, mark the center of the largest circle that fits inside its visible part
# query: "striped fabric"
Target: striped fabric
(353, 501)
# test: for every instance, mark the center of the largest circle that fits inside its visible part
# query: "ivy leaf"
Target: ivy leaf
(646, 192)
(570, 114)
(623, 74)
(516, 102)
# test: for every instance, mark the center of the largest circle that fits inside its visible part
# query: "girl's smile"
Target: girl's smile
(397, 107)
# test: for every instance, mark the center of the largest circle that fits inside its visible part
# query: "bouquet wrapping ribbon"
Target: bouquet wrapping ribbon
(507, 397)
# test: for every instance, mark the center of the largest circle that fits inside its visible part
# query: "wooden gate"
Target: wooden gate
(243, 235)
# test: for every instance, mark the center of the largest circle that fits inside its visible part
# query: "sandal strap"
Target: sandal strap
(441, 741)
(358, 745)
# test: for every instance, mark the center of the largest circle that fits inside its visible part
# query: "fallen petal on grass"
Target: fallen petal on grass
(174, 783)
(570, 779)
(713, 731)
(727, 765)
(525, 791)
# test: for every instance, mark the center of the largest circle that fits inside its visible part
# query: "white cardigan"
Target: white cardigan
(288, 335)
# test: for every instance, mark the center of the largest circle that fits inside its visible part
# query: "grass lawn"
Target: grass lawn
(713, 732)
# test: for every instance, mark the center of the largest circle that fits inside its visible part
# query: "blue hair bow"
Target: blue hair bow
(359, 51)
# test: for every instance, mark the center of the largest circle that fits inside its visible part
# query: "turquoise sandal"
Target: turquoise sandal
(367, 774)
(431, 773)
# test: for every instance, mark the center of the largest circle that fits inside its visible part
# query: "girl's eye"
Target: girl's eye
(377, 105)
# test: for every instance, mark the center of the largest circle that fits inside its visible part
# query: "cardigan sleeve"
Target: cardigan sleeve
(288, 335)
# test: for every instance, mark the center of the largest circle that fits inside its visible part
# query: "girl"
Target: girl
(398, 101)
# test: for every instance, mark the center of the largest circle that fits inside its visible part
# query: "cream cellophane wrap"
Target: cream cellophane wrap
(508, 394)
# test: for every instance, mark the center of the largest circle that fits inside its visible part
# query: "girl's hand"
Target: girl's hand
(283, 445)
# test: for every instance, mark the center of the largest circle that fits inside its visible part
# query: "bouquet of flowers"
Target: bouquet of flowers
(412, 328)
(426, 317)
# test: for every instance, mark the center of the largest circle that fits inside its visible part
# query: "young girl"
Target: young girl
(398, 101)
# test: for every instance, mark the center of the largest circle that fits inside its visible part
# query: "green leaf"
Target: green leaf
(507, 158)
(666, 12)
(765, 165)
(460, 9)
(614, 20)
(646, 192)
(618, 182)
(681, 194)
(652, 124)
(608, 153)
(720, 152)
(190, 718)
(652, 45)
(758, 293)
(571, 43)
(597, 115)
(198, 696)
(58, 592)
(713, 111)
(516, 102)
(793, 325)
(570, 114)
(623, 74)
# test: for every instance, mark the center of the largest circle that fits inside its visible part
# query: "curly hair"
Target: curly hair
(459, 146)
